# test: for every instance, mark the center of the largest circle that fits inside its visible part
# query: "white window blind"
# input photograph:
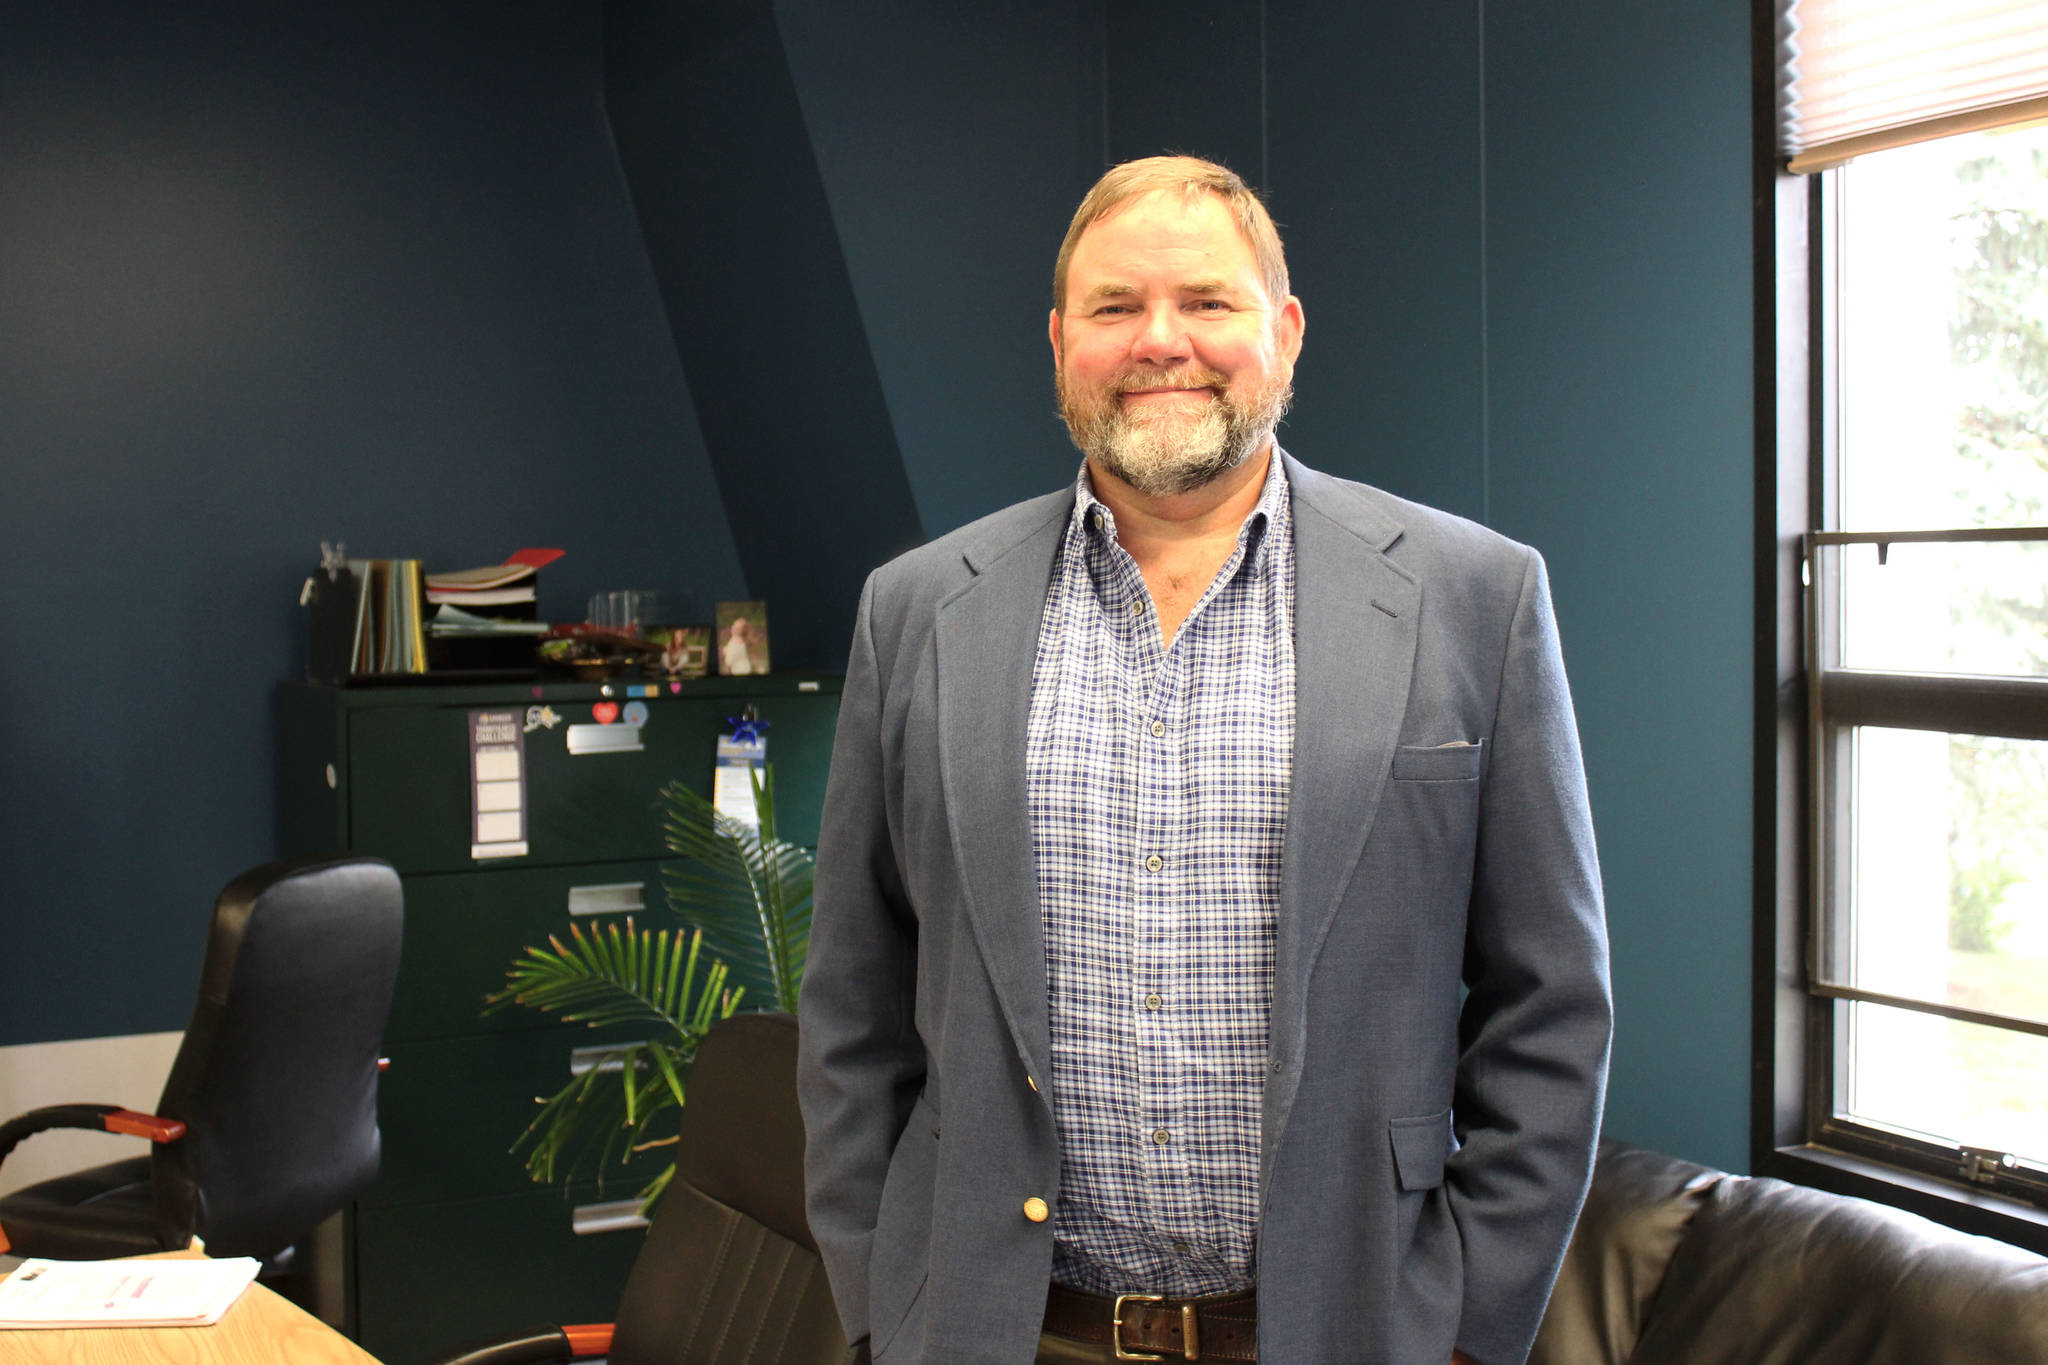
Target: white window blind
(1857, 76)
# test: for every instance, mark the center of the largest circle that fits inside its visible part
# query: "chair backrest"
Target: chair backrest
(730, 1275)
(276, 1079)
(1674, 1263)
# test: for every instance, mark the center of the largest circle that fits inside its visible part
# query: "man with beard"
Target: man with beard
(1169, 814)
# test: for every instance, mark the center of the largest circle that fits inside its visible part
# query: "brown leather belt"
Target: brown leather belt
(1152, 1327)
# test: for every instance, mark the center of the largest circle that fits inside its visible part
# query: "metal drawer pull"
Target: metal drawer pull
(605, 739)
(599, 1057)
(619, 1215)
(610, 899)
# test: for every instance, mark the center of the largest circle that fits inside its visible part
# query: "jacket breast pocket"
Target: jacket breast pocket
(1440, 763)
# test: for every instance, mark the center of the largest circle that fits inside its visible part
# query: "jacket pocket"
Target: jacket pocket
(1444, 763)
(1421, 1143)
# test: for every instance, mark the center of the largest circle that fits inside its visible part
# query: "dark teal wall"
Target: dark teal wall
(954, 141)
(1380, 194)
(1619, 441)
(272, 274)
(735, 219)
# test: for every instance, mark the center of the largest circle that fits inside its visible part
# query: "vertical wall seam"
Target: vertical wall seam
(1103, 48)
(1485, 319)
(1265, 120)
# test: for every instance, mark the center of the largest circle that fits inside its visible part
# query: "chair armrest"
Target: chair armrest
(547, 1345)
(110, 1118)
(150, 1126)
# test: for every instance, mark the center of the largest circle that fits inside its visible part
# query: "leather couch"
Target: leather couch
(1679, 1264)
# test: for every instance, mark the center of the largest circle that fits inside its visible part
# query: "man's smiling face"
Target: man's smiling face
(1174, 363)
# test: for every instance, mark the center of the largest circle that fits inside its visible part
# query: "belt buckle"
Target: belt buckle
(1116, 1325)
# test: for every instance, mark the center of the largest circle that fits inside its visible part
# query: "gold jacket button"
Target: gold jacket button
(1035, 1209)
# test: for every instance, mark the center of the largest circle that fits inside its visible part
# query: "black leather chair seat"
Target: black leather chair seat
(93, 1214)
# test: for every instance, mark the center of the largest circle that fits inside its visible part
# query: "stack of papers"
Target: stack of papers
(496, 585)
(461, 594)
(137, 1293)
(450, 619)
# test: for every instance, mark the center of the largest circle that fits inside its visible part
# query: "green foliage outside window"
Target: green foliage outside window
(1998, 340)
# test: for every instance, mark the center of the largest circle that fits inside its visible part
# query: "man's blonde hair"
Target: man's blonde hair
(1190, 176)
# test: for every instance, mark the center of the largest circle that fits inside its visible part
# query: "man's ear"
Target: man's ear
(1053, 328)
(1290, 323)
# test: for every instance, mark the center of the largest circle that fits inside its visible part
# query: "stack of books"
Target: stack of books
(389, 634)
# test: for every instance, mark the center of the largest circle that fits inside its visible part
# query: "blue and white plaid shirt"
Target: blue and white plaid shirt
(1158, 786)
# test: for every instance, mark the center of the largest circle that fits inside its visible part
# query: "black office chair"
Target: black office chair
(729, 1274)
(268, 1122)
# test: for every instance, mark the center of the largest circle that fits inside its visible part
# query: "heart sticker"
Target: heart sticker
(605, 711)
(675, 687)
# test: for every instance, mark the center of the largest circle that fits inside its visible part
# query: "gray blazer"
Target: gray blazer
(1425, 1151)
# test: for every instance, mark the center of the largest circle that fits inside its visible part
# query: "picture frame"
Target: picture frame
(685, 650)
(741, 639)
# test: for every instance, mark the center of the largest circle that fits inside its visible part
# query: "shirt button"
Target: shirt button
(1158, 728)
(1161, 1136)
(1153, 1002)
(1095, 520)
(1035, 1209)
(1180, 1248)
(1154, 863)
(1137, 607)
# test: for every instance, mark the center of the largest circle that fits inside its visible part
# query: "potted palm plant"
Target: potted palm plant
(743, 897)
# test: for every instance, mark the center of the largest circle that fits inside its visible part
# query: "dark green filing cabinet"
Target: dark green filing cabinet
(454, 1241)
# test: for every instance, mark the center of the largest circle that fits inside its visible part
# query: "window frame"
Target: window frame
(1794, 1134)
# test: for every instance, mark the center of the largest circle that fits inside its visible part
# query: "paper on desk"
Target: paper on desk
(139, 1293)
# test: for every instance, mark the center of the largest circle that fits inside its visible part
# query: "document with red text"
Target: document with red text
(134, 1293)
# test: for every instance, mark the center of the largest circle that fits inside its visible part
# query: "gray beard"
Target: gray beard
(1160, 454)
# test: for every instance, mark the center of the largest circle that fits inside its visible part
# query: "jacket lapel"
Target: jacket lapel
(987, 638)
(1355, 627)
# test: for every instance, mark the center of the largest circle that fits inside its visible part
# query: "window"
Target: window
(1927, 660)
(1903, 1002)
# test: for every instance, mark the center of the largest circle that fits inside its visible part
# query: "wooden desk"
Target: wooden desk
(261, 1329)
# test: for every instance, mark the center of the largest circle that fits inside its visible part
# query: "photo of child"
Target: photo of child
(742, 639)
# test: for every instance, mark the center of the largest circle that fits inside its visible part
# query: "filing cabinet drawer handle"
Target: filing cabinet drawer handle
(605, 739)
(610, 899)
(618, 1215)
(599, 1057)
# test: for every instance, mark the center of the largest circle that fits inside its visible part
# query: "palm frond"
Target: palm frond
(601, 1117)
(746, 890)
(616, 975)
